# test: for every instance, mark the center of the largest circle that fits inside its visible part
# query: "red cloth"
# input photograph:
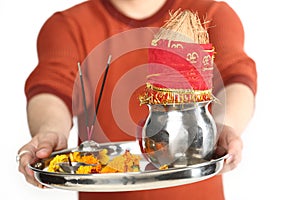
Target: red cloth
(70, 36)
(179, 72)
(188, 66)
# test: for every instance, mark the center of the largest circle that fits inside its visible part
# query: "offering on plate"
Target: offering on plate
(94, 162)
(179, 130)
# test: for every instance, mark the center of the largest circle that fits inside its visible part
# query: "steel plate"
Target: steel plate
(112, 182)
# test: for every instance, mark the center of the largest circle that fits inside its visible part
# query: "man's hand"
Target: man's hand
(41, 146)
(232, 142)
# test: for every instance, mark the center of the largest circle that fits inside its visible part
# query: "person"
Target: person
(69, 36)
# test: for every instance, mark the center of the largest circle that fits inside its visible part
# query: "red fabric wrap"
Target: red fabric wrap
(181, 65)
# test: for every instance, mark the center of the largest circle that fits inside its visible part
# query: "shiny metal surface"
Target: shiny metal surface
(179, 135)
(72, 167)
(148, 178)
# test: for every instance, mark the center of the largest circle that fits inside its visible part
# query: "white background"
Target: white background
(269, 169)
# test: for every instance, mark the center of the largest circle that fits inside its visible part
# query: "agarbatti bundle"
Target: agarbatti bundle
(180, 62)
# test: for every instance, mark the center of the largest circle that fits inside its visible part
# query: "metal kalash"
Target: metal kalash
(179, 130)
(179, 135)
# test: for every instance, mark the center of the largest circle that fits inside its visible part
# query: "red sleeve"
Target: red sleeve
(57, 64)
(227, 35)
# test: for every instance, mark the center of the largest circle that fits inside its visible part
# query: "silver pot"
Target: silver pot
(179, 135)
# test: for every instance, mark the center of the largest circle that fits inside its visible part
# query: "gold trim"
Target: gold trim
(172, 96)
(173, 90)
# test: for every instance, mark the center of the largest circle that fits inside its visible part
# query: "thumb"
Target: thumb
(48, 143)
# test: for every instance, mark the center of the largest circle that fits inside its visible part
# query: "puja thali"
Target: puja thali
(146, 179)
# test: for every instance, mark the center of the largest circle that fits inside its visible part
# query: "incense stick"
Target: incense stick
(84, 98)
(100, 96)
(102, 87)
(90, 129)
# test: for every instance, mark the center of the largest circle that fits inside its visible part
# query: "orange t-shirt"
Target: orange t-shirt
(88, 33)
